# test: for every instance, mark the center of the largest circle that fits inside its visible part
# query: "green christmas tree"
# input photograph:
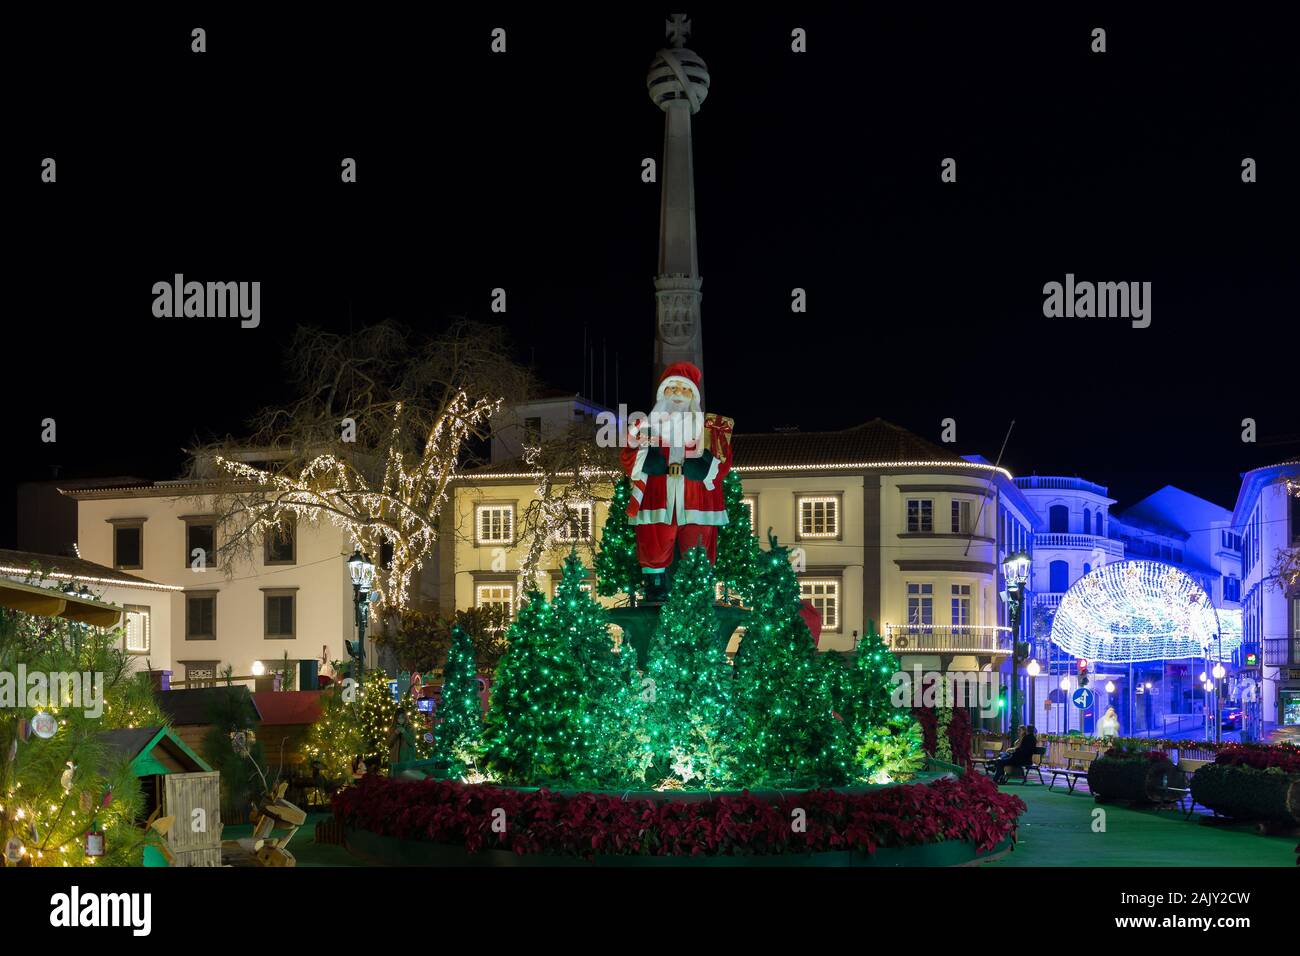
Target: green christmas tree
(459, 710)
(614, 742)
(869, 704)
(738, 550)
(690, 719)
(617, 569)
(788, 733)
(56, 789)
(886, 739)
(533, 733)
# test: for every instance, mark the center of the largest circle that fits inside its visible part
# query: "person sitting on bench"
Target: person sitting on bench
(1021, 755)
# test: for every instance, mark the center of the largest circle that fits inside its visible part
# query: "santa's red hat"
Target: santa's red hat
(680, 373)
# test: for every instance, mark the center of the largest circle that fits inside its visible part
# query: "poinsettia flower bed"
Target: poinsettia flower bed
(969, 808)
(1283, 757)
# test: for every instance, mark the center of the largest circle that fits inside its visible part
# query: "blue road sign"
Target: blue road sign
(1083, 698)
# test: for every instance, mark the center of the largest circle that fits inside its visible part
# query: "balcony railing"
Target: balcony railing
(948, 639)
(1282, 651)
(1049, 599)
(1088, 542)
(1060, 484)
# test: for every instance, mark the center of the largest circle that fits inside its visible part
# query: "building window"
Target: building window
(128, 544)
(960, 516)
(200, 544)
(135, 629)
(280, 544)
(824, 595)
(494, 524)
(498, 593)
(920, 604)
(577, 526)
(920, 516)
(1295, 520)
(749, 504)
(1231, 589)
(200, 615)
(1058, 575)
(280, 614)
(961, 605)
(1058, 519)
(532, 431)
(819, 516)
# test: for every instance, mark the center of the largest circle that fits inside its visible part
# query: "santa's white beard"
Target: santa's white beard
(677, 422)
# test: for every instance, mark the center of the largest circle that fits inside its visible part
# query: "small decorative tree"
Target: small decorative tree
(787, 732)
(738, 551)
(690, 717)
(617, 568)
(533, 733)
(460, 711)
(613, 740)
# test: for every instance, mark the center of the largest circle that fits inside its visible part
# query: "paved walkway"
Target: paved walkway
(1057, 830)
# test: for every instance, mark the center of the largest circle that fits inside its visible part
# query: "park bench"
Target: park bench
(1076, 767)
(1179, 794)
(1035, 766)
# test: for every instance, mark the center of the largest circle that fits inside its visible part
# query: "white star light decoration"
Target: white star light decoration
(1132, 611)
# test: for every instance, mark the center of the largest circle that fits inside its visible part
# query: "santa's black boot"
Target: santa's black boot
(656, 588)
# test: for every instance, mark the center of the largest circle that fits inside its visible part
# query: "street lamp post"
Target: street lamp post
(362, 572)
(1015, 571)
(1032, 669)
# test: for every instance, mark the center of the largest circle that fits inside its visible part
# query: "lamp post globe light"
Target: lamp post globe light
(362, 572)
(1015, 571)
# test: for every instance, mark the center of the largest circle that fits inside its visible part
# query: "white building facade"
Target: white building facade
(1267, 521)
(293, 598)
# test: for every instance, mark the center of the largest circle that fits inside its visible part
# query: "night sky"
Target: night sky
(818, 170)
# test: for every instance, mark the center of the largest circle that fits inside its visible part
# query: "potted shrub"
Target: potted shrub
(1252, 782)
(1135, 776)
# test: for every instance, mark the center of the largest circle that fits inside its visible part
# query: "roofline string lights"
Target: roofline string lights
(1131, 611)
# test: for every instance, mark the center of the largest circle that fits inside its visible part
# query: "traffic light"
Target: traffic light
(1083, 672)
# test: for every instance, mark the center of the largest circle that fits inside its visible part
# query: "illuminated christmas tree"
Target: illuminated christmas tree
(868, 705)
(787, 734)
(533, 733)
(617, 569)
(886, 740)
(738, 550)
(63, 787)
(613, 739)
(690, 720)
(459, 710)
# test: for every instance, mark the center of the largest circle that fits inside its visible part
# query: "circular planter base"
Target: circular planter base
(390, 851)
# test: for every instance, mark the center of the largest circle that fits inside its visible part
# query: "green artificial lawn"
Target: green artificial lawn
(1056, 830)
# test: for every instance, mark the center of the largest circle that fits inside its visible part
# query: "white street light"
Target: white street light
(258, 668)
(1065, 683)
(1110, 687)
(1219, 672)
(1032, 668)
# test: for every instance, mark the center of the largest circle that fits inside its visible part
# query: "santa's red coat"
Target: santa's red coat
(676, 499)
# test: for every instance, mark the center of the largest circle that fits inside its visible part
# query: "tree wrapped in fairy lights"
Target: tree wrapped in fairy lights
(739, 554)
(534, 733)
(617, 569)
(690, 718)
(460, 712)
(787, 732)
(610, 708)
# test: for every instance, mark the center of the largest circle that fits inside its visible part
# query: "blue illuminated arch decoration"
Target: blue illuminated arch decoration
(1133, 611)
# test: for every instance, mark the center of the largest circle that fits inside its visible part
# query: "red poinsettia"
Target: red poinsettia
(968, 808)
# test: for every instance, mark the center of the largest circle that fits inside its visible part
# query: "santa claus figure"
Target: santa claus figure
(676, 460)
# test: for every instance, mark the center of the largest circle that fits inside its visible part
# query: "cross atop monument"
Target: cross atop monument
(677, 27)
